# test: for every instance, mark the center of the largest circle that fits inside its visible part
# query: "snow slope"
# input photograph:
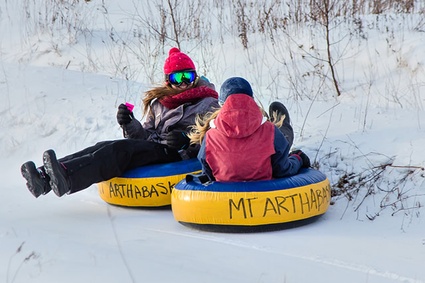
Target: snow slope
(81, 238)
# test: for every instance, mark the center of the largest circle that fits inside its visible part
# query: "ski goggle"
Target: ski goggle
(178, 78)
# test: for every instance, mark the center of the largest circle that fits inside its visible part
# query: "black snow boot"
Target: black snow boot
(59, 180)
(37, 179)
(276, 111)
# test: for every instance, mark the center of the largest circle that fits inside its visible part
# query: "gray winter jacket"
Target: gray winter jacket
(161, 120)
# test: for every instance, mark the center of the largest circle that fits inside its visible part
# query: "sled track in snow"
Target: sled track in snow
(319, 260)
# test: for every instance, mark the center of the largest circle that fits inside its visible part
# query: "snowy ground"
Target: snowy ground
(81, 238)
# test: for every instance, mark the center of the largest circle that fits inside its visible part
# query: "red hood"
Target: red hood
(239, 117)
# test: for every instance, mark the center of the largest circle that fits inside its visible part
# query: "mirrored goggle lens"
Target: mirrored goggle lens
(178, 78)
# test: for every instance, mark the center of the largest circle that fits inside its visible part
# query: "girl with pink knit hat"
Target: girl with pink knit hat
(170, 111)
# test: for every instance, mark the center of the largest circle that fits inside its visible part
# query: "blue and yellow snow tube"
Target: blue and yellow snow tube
(147, 186)
(244, 206)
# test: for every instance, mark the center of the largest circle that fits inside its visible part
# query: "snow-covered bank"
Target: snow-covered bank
(369, 142)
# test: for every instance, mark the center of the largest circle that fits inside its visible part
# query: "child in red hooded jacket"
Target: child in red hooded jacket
(238, 143)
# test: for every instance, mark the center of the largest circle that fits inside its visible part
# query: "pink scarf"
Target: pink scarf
(190, 95)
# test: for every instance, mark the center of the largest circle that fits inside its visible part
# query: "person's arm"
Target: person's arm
(282, 164)
(132, 128)
(206, 170)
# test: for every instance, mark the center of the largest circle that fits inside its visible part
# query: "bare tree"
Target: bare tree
(325, 9)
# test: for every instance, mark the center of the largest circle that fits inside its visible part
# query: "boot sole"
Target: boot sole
(279, 108)
(34, 183)
(58, 180)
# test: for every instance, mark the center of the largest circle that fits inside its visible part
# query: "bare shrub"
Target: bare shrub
(56, 15)
(31, 256)
(386, 183)
(242, 22)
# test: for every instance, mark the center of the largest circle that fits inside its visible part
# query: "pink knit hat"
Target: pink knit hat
(177, 61)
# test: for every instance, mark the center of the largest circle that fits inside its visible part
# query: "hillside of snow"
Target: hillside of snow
(66, 66)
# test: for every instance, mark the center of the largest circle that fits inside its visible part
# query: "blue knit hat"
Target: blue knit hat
(232, 86)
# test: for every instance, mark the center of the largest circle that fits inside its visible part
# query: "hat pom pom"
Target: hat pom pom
(173, 50)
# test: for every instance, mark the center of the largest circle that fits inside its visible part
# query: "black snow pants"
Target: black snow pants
(109, 159)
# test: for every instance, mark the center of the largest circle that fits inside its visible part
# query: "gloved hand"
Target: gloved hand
(177, 139)
(124, 115)
(301, 156)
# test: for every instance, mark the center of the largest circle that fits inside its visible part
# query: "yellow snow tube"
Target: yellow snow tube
(266, 204)
(147, 186)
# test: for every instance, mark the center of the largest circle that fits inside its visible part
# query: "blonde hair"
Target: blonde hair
(202, 124)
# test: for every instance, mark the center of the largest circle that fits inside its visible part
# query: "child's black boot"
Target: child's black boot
(280, 116)
(37, 179)
(59, 180)
(277, 110)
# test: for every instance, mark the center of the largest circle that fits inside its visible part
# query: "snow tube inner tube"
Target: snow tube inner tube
(252, 206)
(147, 186)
